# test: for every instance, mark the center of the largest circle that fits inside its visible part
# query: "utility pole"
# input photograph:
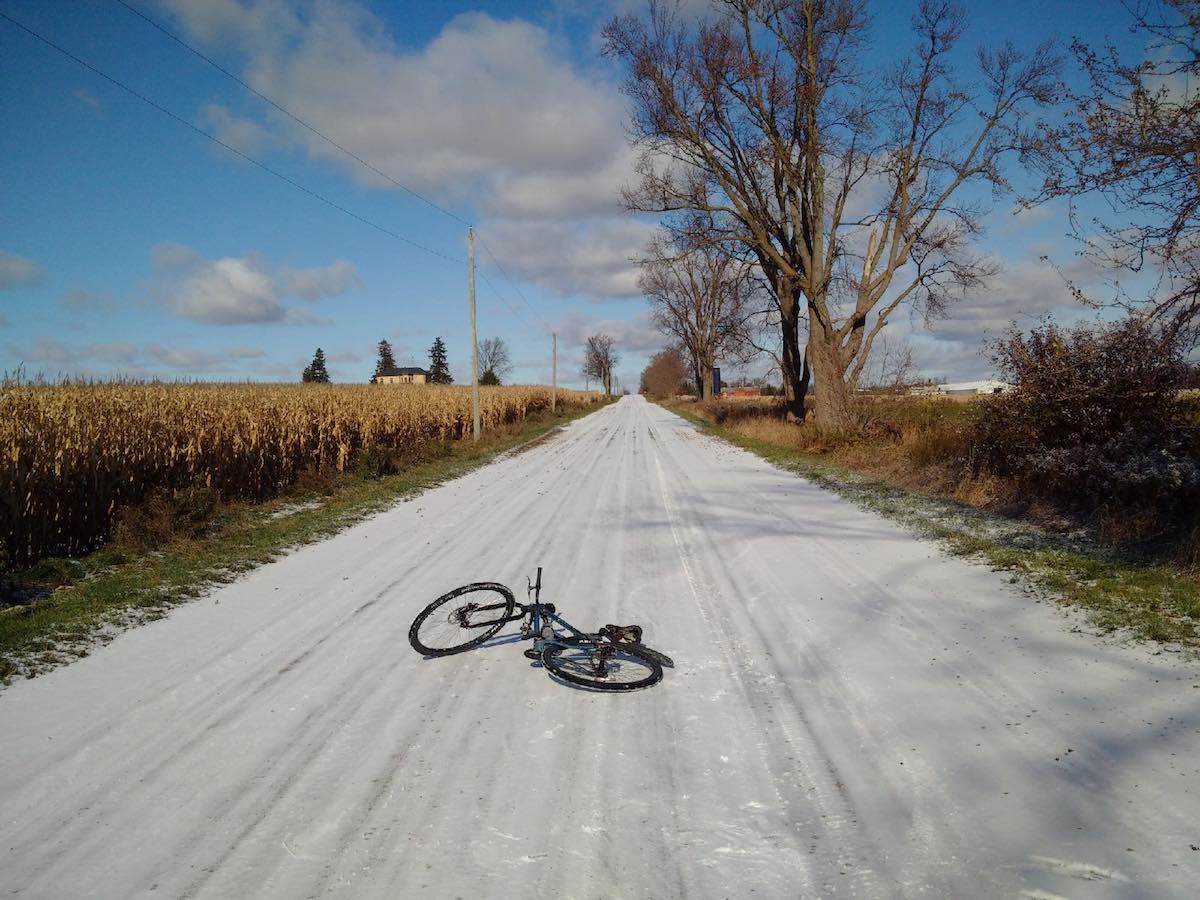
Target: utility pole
(554, 372)
(475, 423)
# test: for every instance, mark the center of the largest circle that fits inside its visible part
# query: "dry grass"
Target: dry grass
(917, 442)
(73, 455)
(926, 444)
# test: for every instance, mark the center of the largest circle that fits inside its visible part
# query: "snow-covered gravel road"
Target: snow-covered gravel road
(852, 713)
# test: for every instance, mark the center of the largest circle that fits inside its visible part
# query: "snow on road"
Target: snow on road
(852, 713)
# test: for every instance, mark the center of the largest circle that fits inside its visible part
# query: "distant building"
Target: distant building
(404, 375)
(964, 388)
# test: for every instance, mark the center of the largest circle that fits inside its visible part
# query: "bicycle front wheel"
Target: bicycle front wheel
(601, 666)
(461, 619)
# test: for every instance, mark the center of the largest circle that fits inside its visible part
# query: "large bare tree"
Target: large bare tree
(1133, 139)
(701, 295)
(845, 183)
(599, 360)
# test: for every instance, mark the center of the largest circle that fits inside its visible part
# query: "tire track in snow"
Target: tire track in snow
(363, 771)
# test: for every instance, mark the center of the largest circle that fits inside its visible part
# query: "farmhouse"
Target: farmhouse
(403, 375)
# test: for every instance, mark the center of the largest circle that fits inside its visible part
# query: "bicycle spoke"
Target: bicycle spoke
(593, 664)
(463, 618)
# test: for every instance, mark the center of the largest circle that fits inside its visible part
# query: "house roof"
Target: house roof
(403, 370)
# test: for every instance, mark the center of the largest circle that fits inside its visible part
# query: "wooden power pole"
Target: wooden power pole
(554, 372)
(475, 423)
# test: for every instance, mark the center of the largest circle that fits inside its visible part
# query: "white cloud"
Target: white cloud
(186, 360)
(1022, 293)
(492, 112)
(105, 359)
(173, 256)
(18, 270)
(242, 134)
(242, 290)
(592, 260)
(51, 350)
(630, 336)
(245, 352)
(226, 292)
(82, 300)
(1025, 216)
(310, 284)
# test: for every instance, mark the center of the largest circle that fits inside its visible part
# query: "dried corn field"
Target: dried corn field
(74, 454)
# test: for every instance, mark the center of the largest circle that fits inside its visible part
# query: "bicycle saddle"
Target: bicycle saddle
(630, 633)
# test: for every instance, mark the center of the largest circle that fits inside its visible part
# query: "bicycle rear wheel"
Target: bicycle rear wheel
(601, 666)
(461, 619)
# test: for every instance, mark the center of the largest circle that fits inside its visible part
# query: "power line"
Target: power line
(287, 112)
(333, 143)
(515, 311)
(524, 299)
(230, 148)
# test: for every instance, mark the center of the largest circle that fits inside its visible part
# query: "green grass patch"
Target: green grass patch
(62, 607)
(1148, 601)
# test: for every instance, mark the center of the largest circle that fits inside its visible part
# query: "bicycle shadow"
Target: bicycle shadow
(503, 640)
(486, 645)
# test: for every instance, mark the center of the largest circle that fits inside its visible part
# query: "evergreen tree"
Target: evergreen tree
(386, 359)
(315, 371)
(439, 372)
(489, 377)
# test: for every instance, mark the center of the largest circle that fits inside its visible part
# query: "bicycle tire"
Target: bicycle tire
(423, 646)
(560, 665)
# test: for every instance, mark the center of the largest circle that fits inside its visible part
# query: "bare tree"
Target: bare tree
(599, 359)
(893, 368)
(841, 182)
(666, 373)
(494, 358)
(1134, 140)
(701, 295)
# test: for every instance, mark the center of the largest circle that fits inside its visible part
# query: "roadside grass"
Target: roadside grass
(1119, 592)
(62, 608)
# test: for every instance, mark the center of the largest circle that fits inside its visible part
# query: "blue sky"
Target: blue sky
(130, 244)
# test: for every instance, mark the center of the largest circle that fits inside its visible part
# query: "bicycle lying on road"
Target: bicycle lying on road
(611, 659)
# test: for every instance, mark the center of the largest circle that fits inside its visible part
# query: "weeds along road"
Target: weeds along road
(851, 714)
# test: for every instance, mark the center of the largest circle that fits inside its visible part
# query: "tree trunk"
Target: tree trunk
(832, 397)
(794, 366)
(706, 381)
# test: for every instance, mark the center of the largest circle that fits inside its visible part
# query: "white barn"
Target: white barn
(965, 388)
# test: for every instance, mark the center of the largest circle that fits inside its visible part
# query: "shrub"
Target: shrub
(1128, 469)
(380, 461)
(727, 412)
(166, 516)
(1095, 417)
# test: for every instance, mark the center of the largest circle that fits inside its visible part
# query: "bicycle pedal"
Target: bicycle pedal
(533, 654)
